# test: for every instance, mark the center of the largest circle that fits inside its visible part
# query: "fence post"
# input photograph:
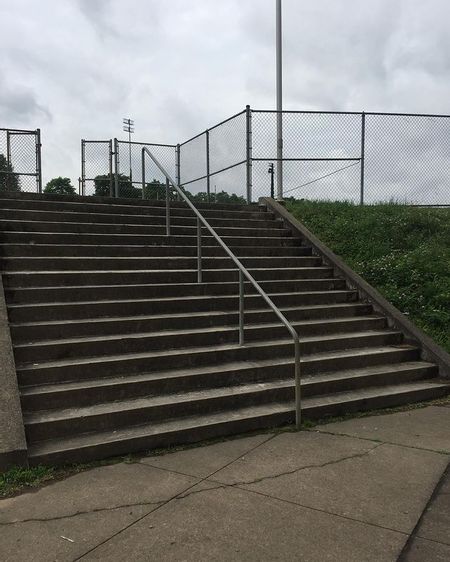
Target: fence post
(116, 168)
(38, 160)
(208, 179)
(249, 160)
(111, 180)
(178, 164)
(363, 148)
(83, 166)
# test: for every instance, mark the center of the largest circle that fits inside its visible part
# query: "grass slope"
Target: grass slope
(402, 251)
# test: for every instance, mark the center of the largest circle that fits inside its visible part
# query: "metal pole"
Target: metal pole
(279, 47)
(208, 186)
(111, 181)
(241, 308)
(38, 160)
(363, 150)
(8, 161)
(298, 390)
(167, 208)
(199, 251)
(116, 167)
(249, 160)
(178, 164)
(83, 165)
(143, 173)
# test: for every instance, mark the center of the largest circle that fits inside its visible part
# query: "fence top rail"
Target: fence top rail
(18, 131)
(214, 127)
(378, 113)
(146, 143)
(96, 141)
(236, 261)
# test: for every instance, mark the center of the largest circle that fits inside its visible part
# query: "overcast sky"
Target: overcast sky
(74, 68)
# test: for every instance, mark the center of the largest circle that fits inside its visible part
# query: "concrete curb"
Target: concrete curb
(430, 351)
(13, 446)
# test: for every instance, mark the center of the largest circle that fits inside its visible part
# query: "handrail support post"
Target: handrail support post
(167, 207)
(241, 308)
(199, 251)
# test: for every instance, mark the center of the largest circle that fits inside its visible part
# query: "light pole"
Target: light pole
(279, 49)
(128, 127)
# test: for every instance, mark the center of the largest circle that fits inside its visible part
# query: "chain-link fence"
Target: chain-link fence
(352, 156)
(97, 177)
(20, 160)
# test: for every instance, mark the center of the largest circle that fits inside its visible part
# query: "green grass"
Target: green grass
(402, 251)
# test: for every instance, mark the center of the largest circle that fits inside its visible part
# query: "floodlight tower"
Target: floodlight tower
(128, 127)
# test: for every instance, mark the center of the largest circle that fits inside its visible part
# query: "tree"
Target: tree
(102, 185)
(8, 181)
(60, 186)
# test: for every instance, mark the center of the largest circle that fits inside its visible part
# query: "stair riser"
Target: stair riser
(374, 403)
(135, 207)
(108, 368)
(215, 430)
(83, 228)
(125, 219)
(149, 264)
(54, 250)
(170, 342)
(119, 419)
(21, 333)
(90, 396)
(20, 280)
(119, 292)
(72, 311)
(169, 439)
(317, 388)
(149, 240)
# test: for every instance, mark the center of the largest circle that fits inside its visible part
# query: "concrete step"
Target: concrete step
(123, 228)
(67, 311)
(143, 219)
(128, 206)
(38, 331)
(21, 279)
(67, 370)
(99, 263)
(129, 251)
(67, 421)
(93, 346)
(102, 444)
(109, 292)
(100, 239)
(111, 390)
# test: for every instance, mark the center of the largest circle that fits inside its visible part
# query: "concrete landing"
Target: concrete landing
(359, 490)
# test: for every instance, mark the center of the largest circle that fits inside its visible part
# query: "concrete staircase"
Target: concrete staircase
(119, 349)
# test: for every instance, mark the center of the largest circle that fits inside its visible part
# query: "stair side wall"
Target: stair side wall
(13, 446)
(430, 351)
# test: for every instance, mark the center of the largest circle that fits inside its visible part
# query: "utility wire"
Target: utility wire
(322, 177)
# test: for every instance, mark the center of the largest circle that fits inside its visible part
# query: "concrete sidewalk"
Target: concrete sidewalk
(361, 490)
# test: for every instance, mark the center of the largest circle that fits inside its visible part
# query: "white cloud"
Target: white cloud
(74, 68)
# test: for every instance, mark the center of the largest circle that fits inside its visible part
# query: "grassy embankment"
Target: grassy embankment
(402, 251)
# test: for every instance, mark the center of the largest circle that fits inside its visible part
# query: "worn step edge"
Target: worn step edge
(189, 430)
(204, 394)
(351, 336)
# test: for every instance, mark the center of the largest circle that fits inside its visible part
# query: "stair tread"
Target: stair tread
(171, 299)
(228, 367)
(205, 330)
(112, 319)
(159, 428)
(192, 350)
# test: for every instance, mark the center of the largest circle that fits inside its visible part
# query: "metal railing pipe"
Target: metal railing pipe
(245, 273)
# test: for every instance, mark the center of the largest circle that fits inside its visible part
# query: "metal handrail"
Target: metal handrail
(243, 272)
